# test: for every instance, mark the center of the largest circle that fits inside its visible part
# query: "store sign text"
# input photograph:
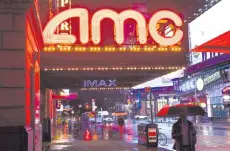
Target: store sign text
(99, 83)
(65, 27)
(50, 37)
(63, 3)
(211, 78)
(188, 85)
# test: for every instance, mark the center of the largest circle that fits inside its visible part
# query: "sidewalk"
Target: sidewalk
(99, 145)
(216, 126)
(114, 144)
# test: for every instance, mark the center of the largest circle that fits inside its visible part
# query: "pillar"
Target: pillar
(47, 115)
(19, 50)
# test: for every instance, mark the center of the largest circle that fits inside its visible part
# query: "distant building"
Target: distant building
(119, 107)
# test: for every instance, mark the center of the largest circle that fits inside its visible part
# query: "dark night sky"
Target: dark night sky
(185, 7)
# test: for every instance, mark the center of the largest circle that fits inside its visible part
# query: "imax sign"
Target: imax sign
(99, 83)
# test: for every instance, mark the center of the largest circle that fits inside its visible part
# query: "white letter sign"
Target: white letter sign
(49, 32)
(118, 18)
(64, 26)
(63, 2)
(99, 83)
(165, 41)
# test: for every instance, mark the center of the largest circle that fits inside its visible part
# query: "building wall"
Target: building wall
(12, 64)
(20, 42)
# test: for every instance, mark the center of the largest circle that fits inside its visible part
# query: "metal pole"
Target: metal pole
(146, 107)
(195, 101)
(95, 120)
(195, 96)
(151, 107)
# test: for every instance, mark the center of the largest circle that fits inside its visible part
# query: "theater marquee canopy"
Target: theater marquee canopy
(73, 37)
(162, 29)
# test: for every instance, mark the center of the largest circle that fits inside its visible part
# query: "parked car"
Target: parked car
(141, 117)
(107, 119)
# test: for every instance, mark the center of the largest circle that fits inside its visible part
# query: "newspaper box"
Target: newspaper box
(147, 135)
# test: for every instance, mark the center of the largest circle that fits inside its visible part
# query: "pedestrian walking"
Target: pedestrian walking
(121, 124)
(184, 134)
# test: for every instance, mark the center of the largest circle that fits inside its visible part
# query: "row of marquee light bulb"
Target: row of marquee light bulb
(114, 88)
(114, 69)
(112, 49)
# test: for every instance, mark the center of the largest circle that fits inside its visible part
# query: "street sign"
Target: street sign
(147, 89)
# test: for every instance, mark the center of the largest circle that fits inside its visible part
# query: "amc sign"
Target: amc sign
(90, 27)
(99, 83)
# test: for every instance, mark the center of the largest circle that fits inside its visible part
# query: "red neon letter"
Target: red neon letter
(51, 38)
(153, 28)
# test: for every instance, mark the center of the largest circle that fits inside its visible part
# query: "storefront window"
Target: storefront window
(161, 103)
(173, 101)
(218, 108)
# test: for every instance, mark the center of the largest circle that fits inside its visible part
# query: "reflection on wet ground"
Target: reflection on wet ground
(208, 139)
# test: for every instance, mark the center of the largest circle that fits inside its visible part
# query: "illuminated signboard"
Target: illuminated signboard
(99, 83)
(212, 77)
(51, 37)
(207, 27)
(65, 27)
(200, 83)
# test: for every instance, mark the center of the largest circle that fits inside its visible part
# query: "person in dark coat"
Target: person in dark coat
(184, 134)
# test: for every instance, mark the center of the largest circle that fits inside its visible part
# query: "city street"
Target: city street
(209, 139)
(114, 75)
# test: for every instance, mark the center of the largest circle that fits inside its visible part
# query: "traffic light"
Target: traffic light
(147, 89)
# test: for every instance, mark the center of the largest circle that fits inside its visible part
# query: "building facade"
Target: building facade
(207, 75)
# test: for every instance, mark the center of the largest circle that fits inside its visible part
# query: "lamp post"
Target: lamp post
(151, 107)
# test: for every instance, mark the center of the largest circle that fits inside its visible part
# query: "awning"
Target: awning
(220, 44)
(163, 81)
(73, 96)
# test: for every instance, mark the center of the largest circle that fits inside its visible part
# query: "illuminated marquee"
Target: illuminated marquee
(50, 37)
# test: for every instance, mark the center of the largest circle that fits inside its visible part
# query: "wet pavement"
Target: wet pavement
(100, 145)
(209, 139)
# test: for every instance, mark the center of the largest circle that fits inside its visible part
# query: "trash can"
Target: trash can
(106, 132)
(147, 135)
